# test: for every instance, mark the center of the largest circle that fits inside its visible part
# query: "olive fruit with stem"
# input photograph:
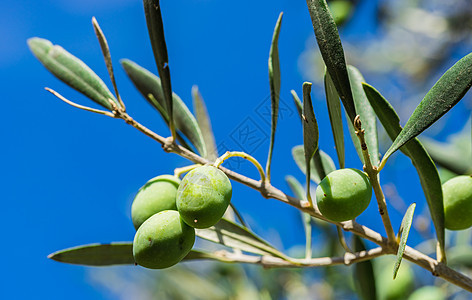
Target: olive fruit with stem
(343, 194)
(203, 196)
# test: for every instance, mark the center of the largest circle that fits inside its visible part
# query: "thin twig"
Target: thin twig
(374, 180)
(97, 111)
(244, 155)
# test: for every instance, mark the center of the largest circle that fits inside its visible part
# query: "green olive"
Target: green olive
(343, 194)
(162, 240)
(389, 288)
(156, 195)
(428, 292)
(203, 196)
(457, 194)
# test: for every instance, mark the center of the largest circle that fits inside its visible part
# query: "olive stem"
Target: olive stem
(276, 262)
(244, 155)
(179, 171)
(373, 174)
(268, 191)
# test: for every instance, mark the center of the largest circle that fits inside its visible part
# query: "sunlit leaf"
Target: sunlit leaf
(299, 157)
(335, 117)
(204, 123)
(367, 116)
(298, 103)
(332, 51)
(148, 83)
(403, 235)
(71, 71)
(364, 274)
(274, 81)
(152, 11)
(445, 93)
(232, 235)
(428, 174)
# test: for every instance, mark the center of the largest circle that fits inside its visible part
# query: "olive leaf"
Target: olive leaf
(299, 157)
(152, 11)
(274, 81)
(72, 71)
(298, 103)
(364, 273)
(204, 123)
(232, 235)
(310, 134)
(403, 236)
(149, 84)
(445, 93)
(428, 174)
(332, 51)
(116, 253)
(367, 116)
(335, 117)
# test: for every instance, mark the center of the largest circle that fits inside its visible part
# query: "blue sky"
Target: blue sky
(70, 176)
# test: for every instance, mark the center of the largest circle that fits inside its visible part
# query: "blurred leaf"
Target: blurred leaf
(425, 167)
(332, 51)
(204, 123)
(460, 256)
(445, 93)
(403, 232)
(299, 156)
(364, 274)
(310, 133)
(232, 235)
(367, 115)
(152, 11)
(295, 186)
(450, 156)
(148, 83)
(274, 81)
(71, 71)
(335, 117)
(298, 104)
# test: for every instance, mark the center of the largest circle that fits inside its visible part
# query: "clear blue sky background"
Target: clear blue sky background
(69, 176)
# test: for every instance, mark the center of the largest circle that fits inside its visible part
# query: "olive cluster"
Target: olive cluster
(166, 211)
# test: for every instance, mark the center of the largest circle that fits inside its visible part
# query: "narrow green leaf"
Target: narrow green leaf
(152, 11)
(404, 232)
(71, 71)
(460, 256)
(147, 83)
(328, 164)
(364, 274)
(107, 56)
(449, 156)
(298, 104)
(428, 174)
(232, 235)
(310, 134)
(120, 253)
(274, 81)
(367, 115)
(116, 253)
(204, 123)
(332, 51)
(335, 118)
(445, 93)
(295, 186)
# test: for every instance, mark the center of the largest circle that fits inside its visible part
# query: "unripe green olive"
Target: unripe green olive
(162, 240)
(430, 292)
(156, 195)
(343, 194)
(203, 196)
(389, 288)
(457, 194)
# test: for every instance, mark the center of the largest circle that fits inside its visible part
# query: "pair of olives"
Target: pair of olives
(343, 194)
(166, 211)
